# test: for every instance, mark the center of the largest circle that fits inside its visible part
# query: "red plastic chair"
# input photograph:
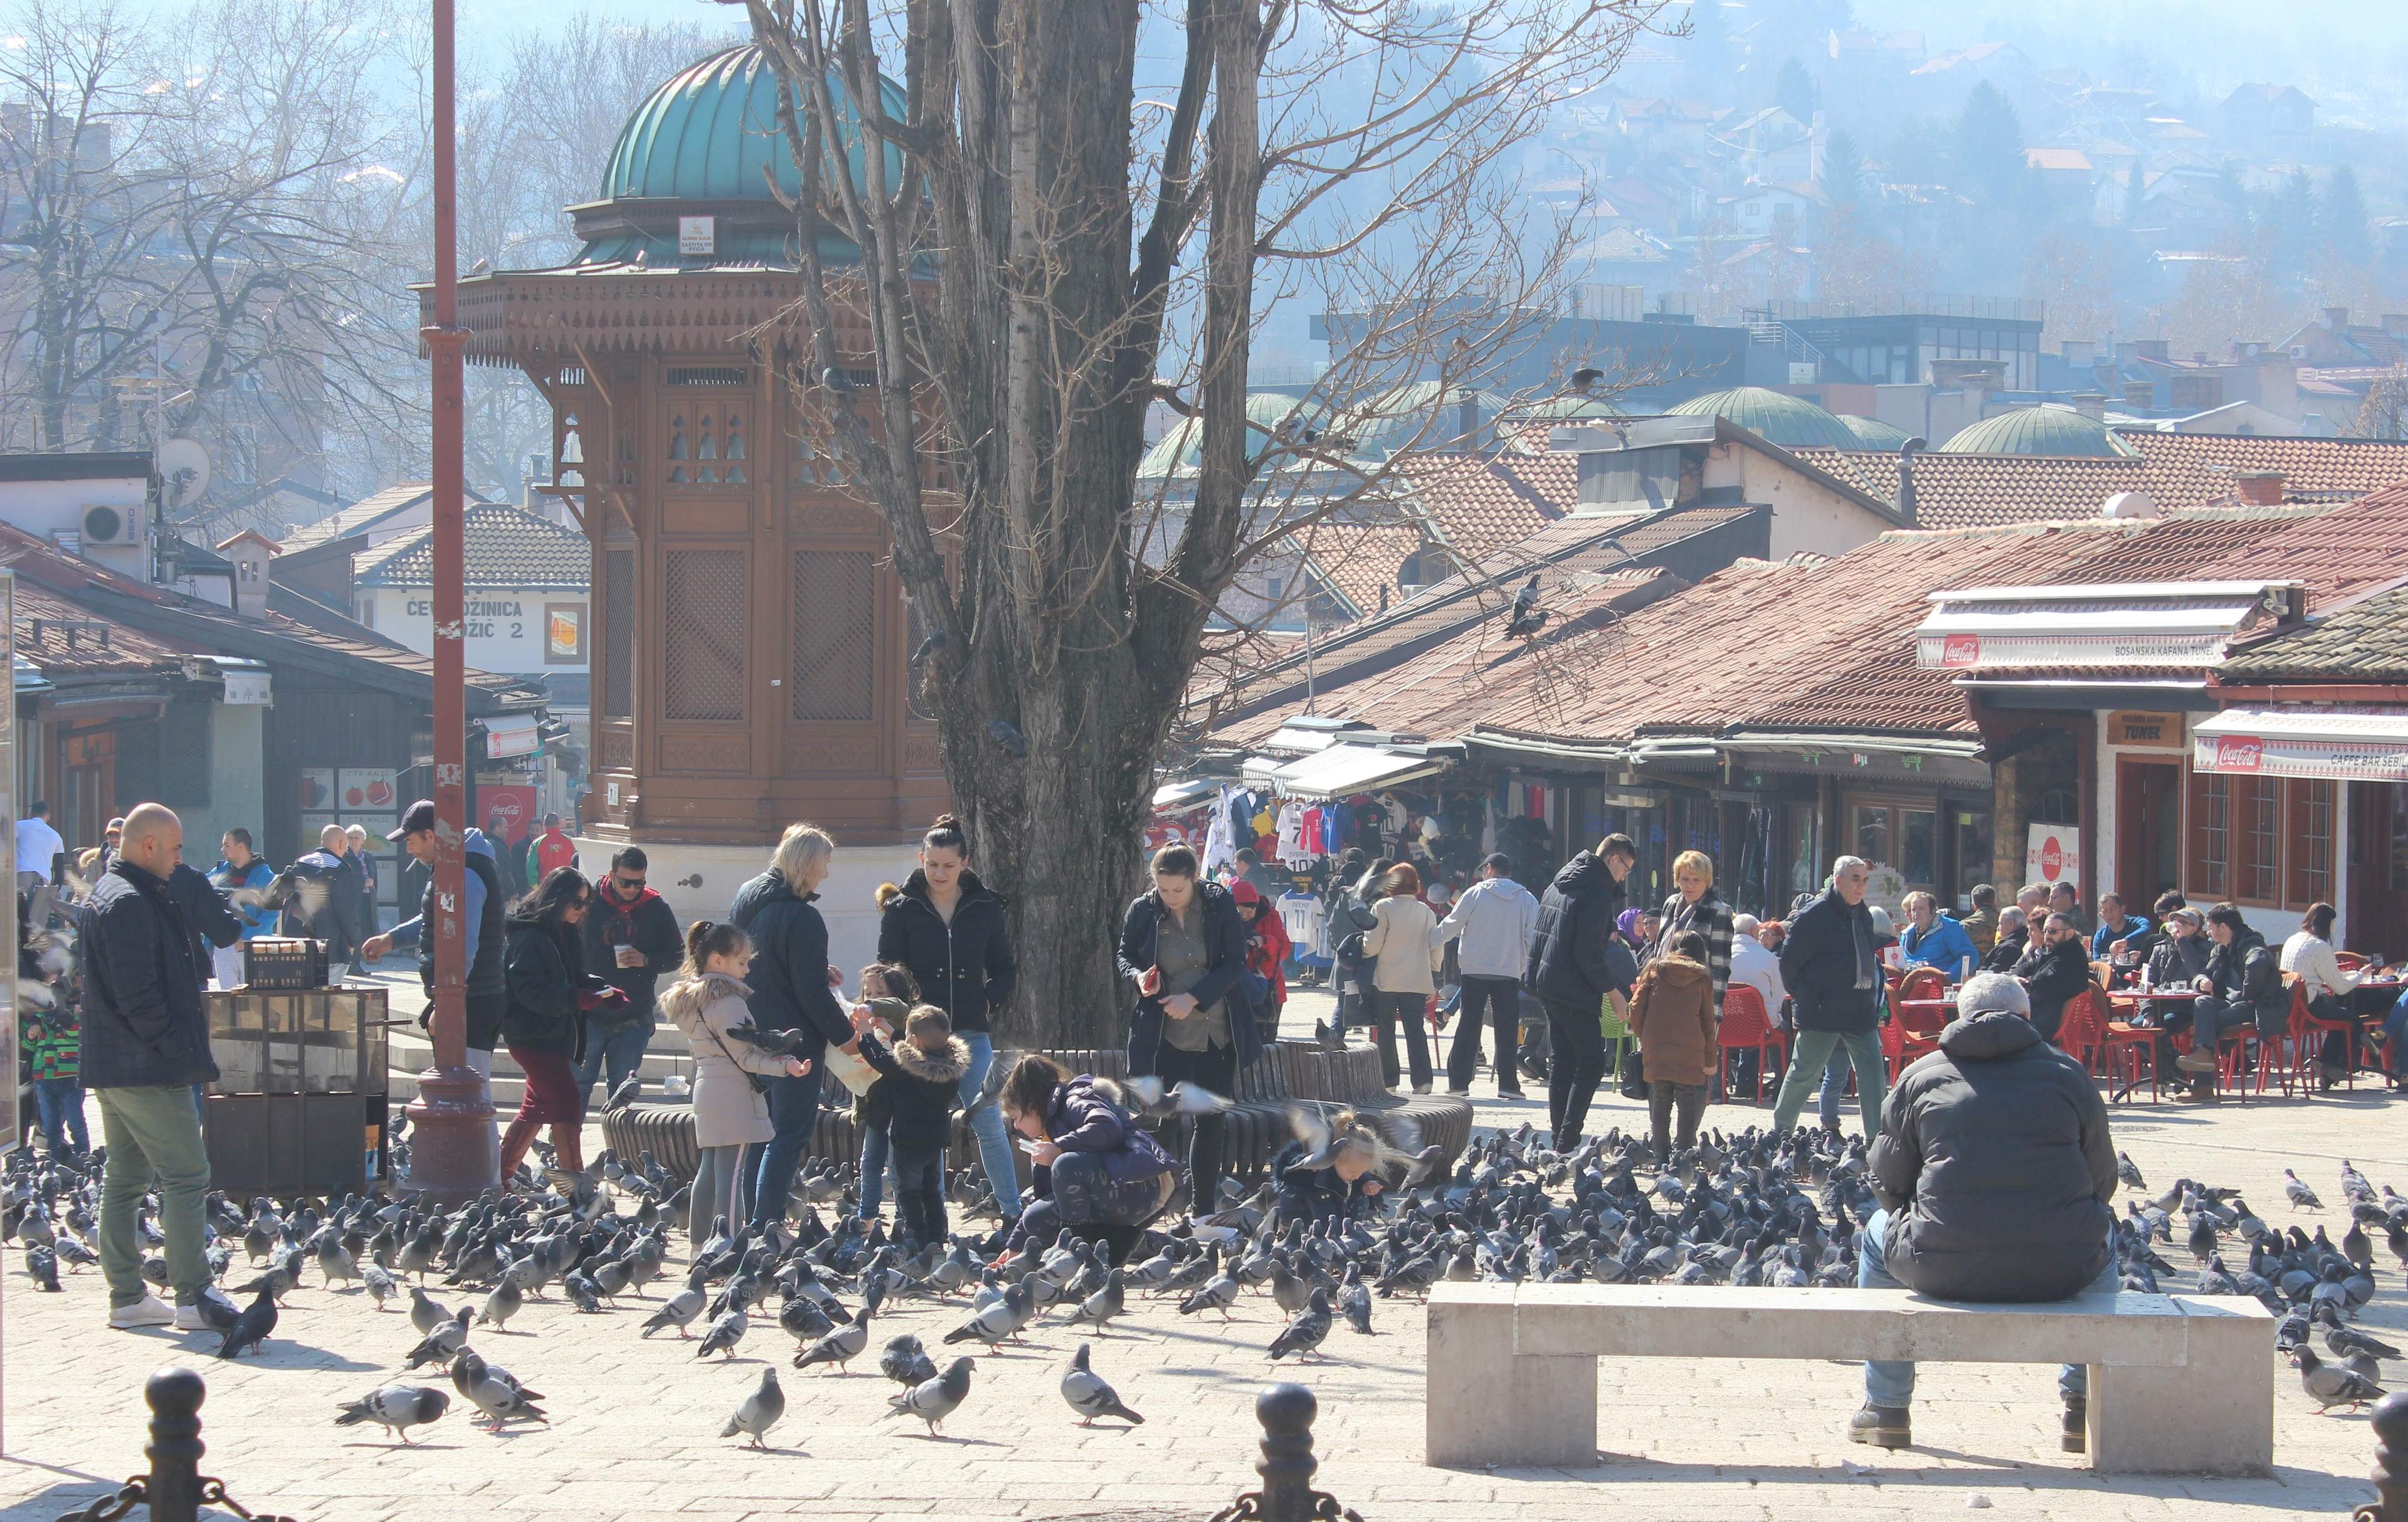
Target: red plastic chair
(2303, 1034)
(1923, 982)
(2350, 961)
(1893, 1045)
(2122, 1047)
(1745, 1025)
(2081, 1030)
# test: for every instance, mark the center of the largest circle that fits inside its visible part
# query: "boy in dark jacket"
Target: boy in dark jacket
(918, 1089)
(1339, 1191)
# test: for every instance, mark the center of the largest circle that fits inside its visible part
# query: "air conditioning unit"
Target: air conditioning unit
(111, 525)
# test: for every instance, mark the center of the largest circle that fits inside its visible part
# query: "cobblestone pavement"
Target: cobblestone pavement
(635, 1423)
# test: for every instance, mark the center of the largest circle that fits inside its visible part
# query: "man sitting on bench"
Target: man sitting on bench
(1994, 1168)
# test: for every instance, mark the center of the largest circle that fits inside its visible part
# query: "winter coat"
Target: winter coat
(484, 926)
(2248, 976)
(1945, 945)
(1574, 958)
(1404, 957)
(1090, 1114)
(208, 916)
(1709, 917)
(143, 1024)
(650, 927)
(1492, 925)
(1225, 941)
(1980, 927)
(1314, 1195)
(2006, 951)
(545, 1011)
(327, 903)
(1995, 1158)
(727, 1109)
(1830, 944)
(1267, 946)
(2174, 962)
(789, 963)
(2052, 975)
(257, 919)
(916, 1093)
(965, 967)
(1673, 1015)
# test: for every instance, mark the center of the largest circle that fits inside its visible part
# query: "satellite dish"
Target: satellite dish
(184, 472)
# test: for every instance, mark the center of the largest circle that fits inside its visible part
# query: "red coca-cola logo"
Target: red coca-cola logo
(2052, 857)
(2239, 753)
(1961, 650)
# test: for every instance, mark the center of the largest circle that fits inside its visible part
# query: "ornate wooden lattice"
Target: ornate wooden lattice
(702, 614)
(836, 635)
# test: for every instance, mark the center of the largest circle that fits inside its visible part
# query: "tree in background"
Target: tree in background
(1988, 144)
(1795, 92)
(1052, 247)
(2290, 225)
(1843, 174)
(2340, 218)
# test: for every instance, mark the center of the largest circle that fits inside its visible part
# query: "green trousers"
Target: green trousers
(1807, 1060)
(153, 1135)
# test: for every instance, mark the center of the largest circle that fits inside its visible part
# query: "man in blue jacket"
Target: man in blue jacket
(481, 934)
(146, 1043)
(1935, 940)
(239, 867)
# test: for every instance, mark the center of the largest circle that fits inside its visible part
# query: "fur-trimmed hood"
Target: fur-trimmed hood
(684, 1000)
(945, 1065)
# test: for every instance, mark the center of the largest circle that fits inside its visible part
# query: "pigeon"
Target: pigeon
(1089, 1396)
(1307, 1330)
(2344, 1340)
(424, 1314)
(2130, 1172)
(804, 1321)
(999, 1320)
(493, 1390)
(678, 1311)
(1218, 1293)
(581, 1294)
(43, 1264)
(723, 1335)
(838, 1347)
(2333, 1384)
(759, 1411)
(2297, 1191)
(934, 1399)
(502, 1304)
(397, 1408)
(252, 1329)
(906, 1361)
(1107, 1302)
(1354, 1302)
(380, 1284)
(439, 1345)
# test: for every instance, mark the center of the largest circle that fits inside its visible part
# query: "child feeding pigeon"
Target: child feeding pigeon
(912, 1105)
(731, 1096)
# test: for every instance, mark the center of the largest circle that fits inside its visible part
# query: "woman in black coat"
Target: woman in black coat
(1183, 944)
(543, 1025)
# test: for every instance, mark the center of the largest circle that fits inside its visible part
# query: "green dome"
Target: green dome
(712, 134)
(1873, 433)
(1181, 451)
(1790, 421)
(2039, 430)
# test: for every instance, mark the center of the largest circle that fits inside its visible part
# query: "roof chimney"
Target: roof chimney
(2141, 396)
(1906, 478)
(2260, 488)
(2128, 505)
(2336, 318)
(2091, 404)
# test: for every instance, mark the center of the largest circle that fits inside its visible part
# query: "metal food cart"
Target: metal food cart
(299, 1104)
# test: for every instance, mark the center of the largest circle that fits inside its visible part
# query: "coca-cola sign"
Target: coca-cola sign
(1960, 650)
(2240, 753)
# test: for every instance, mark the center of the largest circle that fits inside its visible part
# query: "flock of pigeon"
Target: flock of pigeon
(1750, 1209)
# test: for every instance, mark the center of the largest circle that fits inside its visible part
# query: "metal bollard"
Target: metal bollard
(1286, 1413)
(2390, 1476)
(174, 1396)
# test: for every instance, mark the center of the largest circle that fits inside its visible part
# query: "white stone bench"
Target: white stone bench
(2179, 1384)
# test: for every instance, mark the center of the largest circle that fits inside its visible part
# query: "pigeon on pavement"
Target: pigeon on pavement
(1089, 1396)
(1305, 1333)
(2333, 1384)
(937, 1399)
(759, 1411)
(397, 1408)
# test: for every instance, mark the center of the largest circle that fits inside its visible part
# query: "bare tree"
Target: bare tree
(1052, 243)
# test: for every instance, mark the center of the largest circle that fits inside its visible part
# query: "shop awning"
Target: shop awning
(2367, 746)
(2110, 625)
(511, 734)
(1185, 792)
(1341, 769)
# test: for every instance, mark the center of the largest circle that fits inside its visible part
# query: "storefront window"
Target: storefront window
(2258, 836)
(1801, 852)
(2210, 873)
(2312, 843)
(1920, 827)
(1872, 832)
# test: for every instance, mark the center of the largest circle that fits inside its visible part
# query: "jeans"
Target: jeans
(153, 1134)
(1891, 1385)
(1215, 1070)
(795, 1111)
(612, 1054)
(920, 1195)
(59, 1103)
(1835, 1085)
(1077, 1192)
(1575, 1066)
(1388, 1012)
(1661, 1099)
(1501, 1000)
(1812, 1056)
(877, 1167)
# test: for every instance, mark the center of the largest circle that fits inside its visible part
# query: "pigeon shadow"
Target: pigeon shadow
(954, 1442)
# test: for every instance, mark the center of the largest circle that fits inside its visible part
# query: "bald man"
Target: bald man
(326, 902)
(146, 1043)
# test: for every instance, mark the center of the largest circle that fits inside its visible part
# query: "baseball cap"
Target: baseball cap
(420, 817)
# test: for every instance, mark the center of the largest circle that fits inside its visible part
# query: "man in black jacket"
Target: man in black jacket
(794, 988)
(2243, 985)
(1833, 973)
(1994, 1168)
(2053, 971)
(146, 1044)
(631, 939)
(1575, 962)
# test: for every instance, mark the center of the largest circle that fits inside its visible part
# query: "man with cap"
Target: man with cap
(480, 918)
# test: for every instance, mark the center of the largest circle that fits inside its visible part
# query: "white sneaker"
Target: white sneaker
(196, 1316)
(149, 1311)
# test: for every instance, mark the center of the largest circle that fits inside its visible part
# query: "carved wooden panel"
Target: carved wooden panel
(703, 621)
(825, 751)
(919, 752)
(707, 753)
(614, 750)
(706, 515)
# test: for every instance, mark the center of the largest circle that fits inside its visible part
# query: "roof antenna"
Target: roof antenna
(1906, 478)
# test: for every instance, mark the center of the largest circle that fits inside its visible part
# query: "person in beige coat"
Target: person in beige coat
(1406, 955)
(731, 1105)
(1673, 1015)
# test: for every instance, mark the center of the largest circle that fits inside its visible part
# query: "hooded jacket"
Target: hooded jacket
(964, 968)
(1226, 943)
(1995, 1155)
(1090, 1114)
(1673, 1015)
(727, 1109)
(482, 920)
(2248, 976)
(916, 1093)
(545, 1011)
(1314, 1195)
(650, 927)
(1575, 957)
(789, 963)
(1267, 946)
(1491, 925)
(1826, 953)
(143, 1025)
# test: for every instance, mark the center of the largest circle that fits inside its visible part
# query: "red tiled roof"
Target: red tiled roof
(2178, 471)
(1478, 503)
(1359, 561)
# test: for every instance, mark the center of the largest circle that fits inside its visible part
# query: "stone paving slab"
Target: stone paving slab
(634, 1434)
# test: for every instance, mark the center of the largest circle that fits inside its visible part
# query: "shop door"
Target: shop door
(2378, 868)
(2148, 831)
(89, 764)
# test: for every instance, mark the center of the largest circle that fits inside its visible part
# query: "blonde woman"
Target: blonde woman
(794, 988)
(1695, 905)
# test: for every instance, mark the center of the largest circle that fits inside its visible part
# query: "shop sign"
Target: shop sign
(2135, 726)
(2053, 854)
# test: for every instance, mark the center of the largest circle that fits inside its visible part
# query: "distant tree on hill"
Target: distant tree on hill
(2340, 218)
(1990, 150)
(1796, 93)
(1843, 174)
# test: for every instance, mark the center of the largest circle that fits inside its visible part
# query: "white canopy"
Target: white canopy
(2342, 744)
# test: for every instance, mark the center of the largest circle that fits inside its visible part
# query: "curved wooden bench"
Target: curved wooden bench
(1255, 1128)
